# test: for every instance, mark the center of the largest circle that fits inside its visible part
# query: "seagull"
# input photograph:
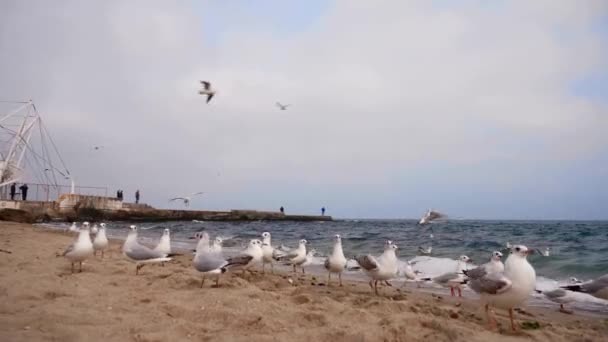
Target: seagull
(454, 280)
(207, 90)
(164, 245)
(216, 248)
(207, 262)
(101, 241)
(495, 265)
(382, 268)
(508, 245)
(95, 229)
(309, 258)
(507, 289)
(141, 254)
(73, 228)
(296, 257)
(597, 288)
(269, 253)
(425, 251)
(430, 216)
(336, 262)
(80, 249)
(186, 199)
(545, 252)
(411, 275)
(561, 296)
(97, 148)
(282, 106)
(247, 258)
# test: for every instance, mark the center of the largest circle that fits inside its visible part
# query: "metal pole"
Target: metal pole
(11, 151)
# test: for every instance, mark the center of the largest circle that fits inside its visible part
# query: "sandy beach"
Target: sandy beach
(43, 301)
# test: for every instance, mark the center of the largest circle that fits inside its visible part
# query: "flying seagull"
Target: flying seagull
(430, 216)
(186, 199)
(282, 106)
(97, 148)
(207, 90)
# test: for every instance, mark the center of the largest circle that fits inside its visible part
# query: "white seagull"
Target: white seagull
(270, 254)
(411, 275)
(296, 257)
(247, 258)
(95, 229)
(101, 240)
(454, 280)
(493, 266)
(186, 199)
(336, 262)
(507, 289)
(73, 228)
(80, 249)
(141, 254)
(207, 90)
(561, 296)
(164, 244)
(382, 268)
(425, 251)
(216, 248)
(597, 288)
(282, 106)
(207, 262)
(430, 216)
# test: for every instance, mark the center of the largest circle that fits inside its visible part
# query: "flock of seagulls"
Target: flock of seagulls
(499, 285)
(210, 92)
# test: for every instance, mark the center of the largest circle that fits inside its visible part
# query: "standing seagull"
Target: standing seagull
(207, 262)
(597, 288)
(249, 257)
(141, 254)
(216, 248)
(269, 252)
(411, 275)
(186, 199)
(101, 240)
(73, 228)
(507, 289)
(561, 296)
(454, 280)
(382, 268)
(297, 257)
(282, 106)
(164, 245)
(493, 266)
(336, 262)
(207, 90)
(81, 249)
(95, 229)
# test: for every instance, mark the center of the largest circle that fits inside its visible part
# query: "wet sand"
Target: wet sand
(42, 301)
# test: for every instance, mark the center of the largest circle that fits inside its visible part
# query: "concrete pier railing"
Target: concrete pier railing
(74, 207)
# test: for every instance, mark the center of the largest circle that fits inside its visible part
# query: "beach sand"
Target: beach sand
(42, 301)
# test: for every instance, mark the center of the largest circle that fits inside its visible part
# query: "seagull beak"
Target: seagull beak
(530, 251)
(470, 261)
(192, 238)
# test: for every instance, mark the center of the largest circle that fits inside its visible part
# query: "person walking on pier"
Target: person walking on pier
(282, 210)
(23, 189)
(137, 196)
(323, 211)
(13, 191)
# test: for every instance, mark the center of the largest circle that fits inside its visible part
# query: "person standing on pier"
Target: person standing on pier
(13, 191)
(137, 196)
(23, 189)
(282, 210)
(118, 194)
(323, 211)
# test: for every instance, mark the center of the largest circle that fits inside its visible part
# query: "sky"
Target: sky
(492, 110)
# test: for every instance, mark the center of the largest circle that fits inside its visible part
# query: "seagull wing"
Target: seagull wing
(493, 283)
(279, 105)
(206, 84)
(177, 198)
(197, 193)
(209, 97)
(367, 262)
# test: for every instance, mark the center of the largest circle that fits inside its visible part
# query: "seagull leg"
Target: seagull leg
(459, 291)
(102, 253)
(202, 282)
(303, 271)
(387, 283)
(217, 281)
(452, 291)
(294, 269)
(328, 278)
(371, 284)
(340, 277)
(271, 267)
(72, 268)
(80, 267)
(263, 267)
(490, 318)
(139, 266)
(562, 309)
(512, 320)
(376, 288)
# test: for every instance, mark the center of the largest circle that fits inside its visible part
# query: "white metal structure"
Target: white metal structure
(27, 149)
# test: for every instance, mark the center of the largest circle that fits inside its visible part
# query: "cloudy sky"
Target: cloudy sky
(481, 109)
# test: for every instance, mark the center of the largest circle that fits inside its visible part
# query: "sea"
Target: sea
(576, 248)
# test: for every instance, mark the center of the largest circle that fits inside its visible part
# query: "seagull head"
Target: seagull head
(85, 223)
(265, 235)
(166, 231)
(303, 242)
(465, 259)
(133, 228)
(521, 251)
(387, 244)
(218, 241)
(338, 238)
(496, 256)
(394, 247)
(574, 281)
(103, 225)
